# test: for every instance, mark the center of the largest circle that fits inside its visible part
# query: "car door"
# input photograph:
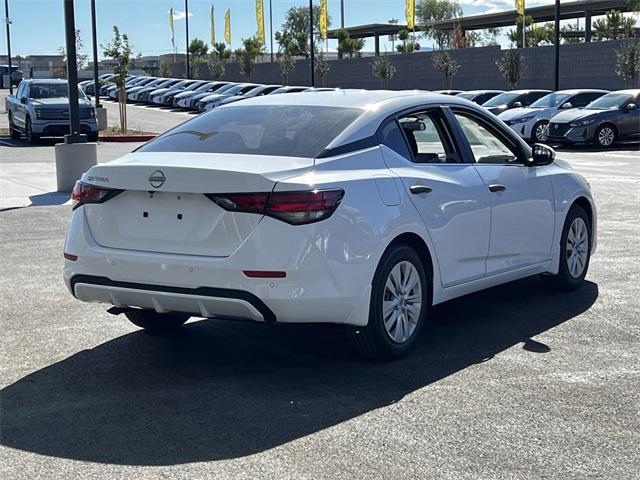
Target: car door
(522, 212)
(448, 193)
(630, 120)
(19, 113)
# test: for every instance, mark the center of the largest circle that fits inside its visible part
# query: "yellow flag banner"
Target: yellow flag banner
(213, 26)
(260, 19)
(324, 19)
(410, 11)
(173, 33)
(227, 27)
(520, 7)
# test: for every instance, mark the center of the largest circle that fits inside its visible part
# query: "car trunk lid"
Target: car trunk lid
(163, 208)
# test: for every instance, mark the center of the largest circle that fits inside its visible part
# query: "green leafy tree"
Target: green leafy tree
(408, 45)
(322, 69)
(511, 66)
(296, 24)
(81, 58)
(198, 50)
(614, 26)
(247, 55)
(444, 63)
(565, 30)
(218, 58)
(120, 50)
(628, 62)
(431, 10)
(348, 45)
(383, 69)
(287, 49)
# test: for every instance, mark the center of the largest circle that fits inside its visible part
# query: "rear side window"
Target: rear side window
(282, 130)
(391, 136)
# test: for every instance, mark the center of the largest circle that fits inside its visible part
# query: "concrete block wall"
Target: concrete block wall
(585, 65)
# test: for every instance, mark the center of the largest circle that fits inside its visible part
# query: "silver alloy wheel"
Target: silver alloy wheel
(402, 301)
(606, 136)
(541, 132)
(577, 247)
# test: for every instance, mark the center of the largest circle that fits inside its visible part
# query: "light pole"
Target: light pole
(186, 19)
(8, 22)
(557, 48)
(341, 13)
(311, 51)
(271, 28)
(96, 81)
(72, 75)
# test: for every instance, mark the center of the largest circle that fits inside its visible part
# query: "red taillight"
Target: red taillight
(68, 256)
(84, 193)
(296, 208)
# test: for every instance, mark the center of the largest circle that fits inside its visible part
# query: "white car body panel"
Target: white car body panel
(475, 239)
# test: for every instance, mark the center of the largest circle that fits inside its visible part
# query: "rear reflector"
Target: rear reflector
(295, 208)
(68, 256)
(84, 193)
(264, 274)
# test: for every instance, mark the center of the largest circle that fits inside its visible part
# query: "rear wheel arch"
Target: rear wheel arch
(416, 242)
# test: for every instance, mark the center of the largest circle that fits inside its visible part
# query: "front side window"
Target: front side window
(503, 99)
(283, 130)
(486, 146)
(551, 100)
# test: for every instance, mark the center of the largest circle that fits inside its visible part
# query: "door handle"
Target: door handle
(418, 189)
(496, 187)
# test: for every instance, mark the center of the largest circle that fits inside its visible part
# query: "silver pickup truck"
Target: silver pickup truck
(41, 108)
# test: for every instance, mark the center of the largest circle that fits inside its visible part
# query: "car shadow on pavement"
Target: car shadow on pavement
(22, 142)
(222, 389)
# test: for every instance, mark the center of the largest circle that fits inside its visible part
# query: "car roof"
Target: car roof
(522, 92)
(480, 92)
(573, 91)
(630, 91)
(46, 80)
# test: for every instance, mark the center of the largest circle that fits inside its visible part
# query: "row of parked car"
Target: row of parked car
(198, 95)
(566, 116)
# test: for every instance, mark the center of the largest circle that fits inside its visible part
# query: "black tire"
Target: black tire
(373, 341)
(92, 136)
(13, 133)
(535, 134)
(32, 138)
(157, 322)
(565, 280)
(599, 136)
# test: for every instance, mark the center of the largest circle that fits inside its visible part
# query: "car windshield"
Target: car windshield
(193, 86)
(551, 100)
(283, 130)
(610, 101)
(234, 89)
(226, 88)
(52, 90)
(502, 99)
(468, 96)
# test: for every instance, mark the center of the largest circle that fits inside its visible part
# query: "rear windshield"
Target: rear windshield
(282, 130)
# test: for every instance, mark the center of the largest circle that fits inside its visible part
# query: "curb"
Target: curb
(126, 138)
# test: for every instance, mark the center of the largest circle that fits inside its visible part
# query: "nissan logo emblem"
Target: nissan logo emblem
(157, 179)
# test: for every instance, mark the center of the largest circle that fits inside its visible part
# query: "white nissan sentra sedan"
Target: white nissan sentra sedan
(348, 207)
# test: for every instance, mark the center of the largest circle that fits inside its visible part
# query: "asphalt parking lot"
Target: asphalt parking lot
(512, 383)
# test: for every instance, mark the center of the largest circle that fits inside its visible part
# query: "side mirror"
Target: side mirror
(567, 105)
(631, 106)
(517, 104)
(541, 155)
(24, 100)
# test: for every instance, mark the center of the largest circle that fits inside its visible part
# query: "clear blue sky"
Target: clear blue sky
(38, 25)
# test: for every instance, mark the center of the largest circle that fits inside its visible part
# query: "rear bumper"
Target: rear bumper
(202, 301)
(322, 284)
